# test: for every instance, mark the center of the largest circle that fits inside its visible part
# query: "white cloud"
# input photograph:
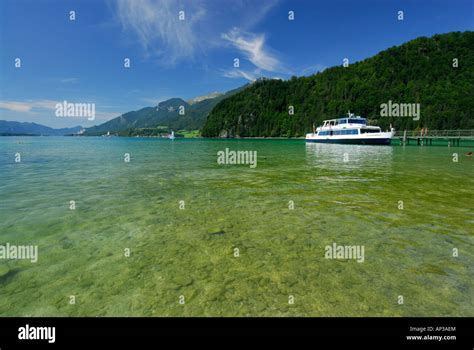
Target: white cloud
(253, 14)
(240, 73)
(68, 80)
(253, 47)
(27, 106)
(15, 106)
(157, 26)
(313, 69)
(32, 107)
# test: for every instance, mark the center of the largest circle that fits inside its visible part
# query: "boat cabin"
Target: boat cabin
(351, 120)
(347, 126)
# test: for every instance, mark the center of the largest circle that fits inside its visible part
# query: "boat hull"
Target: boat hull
(361, 141)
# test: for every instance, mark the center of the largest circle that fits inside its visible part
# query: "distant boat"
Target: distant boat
(351, 130)
(171, 136)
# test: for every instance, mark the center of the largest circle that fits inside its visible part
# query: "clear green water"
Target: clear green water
(190, 252)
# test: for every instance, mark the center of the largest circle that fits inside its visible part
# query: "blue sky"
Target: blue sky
(82, 61)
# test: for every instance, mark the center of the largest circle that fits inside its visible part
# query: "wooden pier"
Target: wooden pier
(425, 138)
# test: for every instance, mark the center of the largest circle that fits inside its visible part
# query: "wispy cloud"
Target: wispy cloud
(69, 80)
(158, 28)
(313, 69)
(254, 49)
(61, 80)
(34, 110)
(249, 75)
(240, 73)
(28, 106)
(253, 14)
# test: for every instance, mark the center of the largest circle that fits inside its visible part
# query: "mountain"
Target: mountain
(205, 97)
(17, 128)
(419, 71)
(166, 114)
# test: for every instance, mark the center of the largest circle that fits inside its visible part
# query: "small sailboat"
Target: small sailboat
(171, 136)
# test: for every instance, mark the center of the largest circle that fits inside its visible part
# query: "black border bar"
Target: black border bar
(87, 331)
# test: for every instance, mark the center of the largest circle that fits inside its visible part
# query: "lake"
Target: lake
(173, 233)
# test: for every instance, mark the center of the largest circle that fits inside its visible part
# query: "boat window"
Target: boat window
(357, 121)
(345, 132)
(369, 131)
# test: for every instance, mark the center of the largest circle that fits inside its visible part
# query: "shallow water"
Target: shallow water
(343, 194)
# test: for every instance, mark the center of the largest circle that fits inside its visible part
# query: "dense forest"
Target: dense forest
(424, 71)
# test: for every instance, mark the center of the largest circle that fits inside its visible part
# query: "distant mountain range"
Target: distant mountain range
(437, 73)
(166, 114)
(11, 128)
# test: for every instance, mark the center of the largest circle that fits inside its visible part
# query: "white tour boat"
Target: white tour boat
(352, 130)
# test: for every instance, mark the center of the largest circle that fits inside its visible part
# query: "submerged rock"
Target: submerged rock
(183, 281)
(66, 243)
(4, 270)
(217, 232)
(6, 273)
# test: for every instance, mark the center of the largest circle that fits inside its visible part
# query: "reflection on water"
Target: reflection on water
(348, 157)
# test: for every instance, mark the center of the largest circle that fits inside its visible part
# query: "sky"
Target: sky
(190, 53)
